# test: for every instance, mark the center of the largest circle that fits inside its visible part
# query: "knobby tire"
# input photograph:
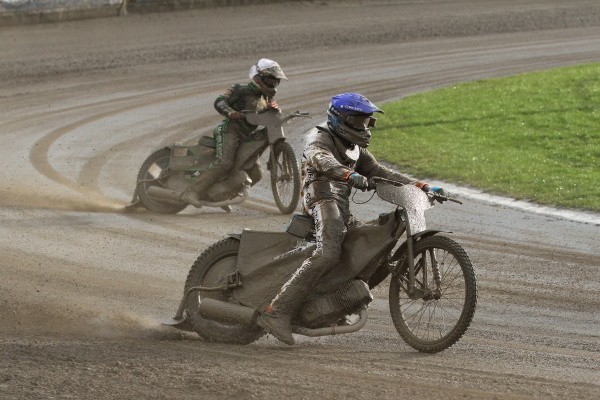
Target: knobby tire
(161, 158)
(433, 325)
(211, 269)
(285, 177)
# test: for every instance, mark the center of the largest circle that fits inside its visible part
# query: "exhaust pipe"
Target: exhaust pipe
(173, 197)
(165, 195)
(227, 313)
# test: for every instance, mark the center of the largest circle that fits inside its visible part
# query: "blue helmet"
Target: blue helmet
(350, 116)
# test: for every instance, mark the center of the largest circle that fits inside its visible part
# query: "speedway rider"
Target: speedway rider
(335, 160)
(257, 95)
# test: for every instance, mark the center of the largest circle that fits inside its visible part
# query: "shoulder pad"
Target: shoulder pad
(321, 138)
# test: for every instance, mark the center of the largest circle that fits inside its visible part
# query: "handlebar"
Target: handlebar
(441, 198)
(271, 117)
(373, 182)
(294, 114)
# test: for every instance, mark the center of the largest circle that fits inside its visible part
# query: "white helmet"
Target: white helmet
(264, 66)
(267, 74)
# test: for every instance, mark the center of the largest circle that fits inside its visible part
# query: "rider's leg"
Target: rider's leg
(330, 231)
(227, 144)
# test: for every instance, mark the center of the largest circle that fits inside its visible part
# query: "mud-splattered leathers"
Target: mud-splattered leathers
(229, 133)
(326, 162)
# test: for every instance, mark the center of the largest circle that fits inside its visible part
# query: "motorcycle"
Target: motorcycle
(432, 289)
(167, 172)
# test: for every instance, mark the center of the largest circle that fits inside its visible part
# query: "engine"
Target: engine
(326, 310)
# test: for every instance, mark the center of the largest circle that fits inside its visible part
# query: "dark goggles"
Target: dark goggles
(270, 80)
(360, 122)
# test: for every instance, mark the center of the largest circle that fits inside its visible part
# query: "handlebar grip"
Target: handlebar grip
(441, 198)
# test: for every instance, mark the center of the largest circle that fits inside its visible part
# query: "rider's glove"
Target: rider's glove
(435, 189)
(423, 186)
(442, 194)
(440, 191)
(235, 115)
(358, 181)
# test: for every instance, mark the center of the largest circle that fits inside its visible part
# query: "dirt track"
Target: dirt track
(83, 285)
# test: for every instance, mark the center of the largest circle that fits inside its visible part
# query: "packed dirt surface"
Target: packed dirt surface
(84, 286)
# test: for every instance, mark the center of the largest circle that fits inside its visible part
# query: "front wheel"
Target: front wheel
(151, 173)
(440, 314)
(285, 177)
(212, 269)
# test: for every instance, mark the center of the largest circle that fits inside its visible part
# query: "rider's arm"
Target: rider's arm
(324, 161)
(223, 101)
(368, 166)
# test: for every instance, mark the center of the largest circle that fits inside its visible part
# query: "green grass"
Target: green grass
(534, 136)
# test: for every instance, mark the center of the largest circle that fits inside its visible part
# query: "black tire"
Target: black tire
(211, 269)
(285, 177)
(161, 159)
(433, 324)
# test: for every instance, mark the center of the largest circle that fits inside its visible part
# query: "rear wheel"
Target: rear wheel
(212, 269)
(285, 177)
(446, 304)
(151, 172)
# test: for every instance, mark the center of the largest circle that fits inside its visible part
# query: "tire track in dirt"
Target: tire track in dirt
(502, 246)
(413, 373)
(39, 153)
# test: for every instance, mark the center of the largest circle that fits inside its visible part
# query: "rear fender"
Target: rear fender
(236, 236)
(266, 261)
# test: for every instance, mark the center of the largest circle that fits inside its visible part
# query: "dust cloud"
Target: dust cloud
(64, 318)
(43, 198)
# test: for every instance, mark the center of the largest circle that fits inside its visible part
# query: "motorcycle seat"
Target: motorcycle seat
(207, 141)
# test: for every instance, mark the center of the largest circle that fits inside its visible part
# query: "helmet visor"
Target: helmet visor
(360, 122)
(275, 70)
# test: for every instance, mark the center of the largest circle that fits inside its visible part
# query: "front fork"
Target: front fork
(272, 155)
(423, 291)
(435, 293)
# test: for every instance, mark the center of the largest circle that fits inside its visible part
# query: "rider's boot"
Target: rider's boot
(191, 196)
(276, 319)
(278, 325)
(195, 194)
